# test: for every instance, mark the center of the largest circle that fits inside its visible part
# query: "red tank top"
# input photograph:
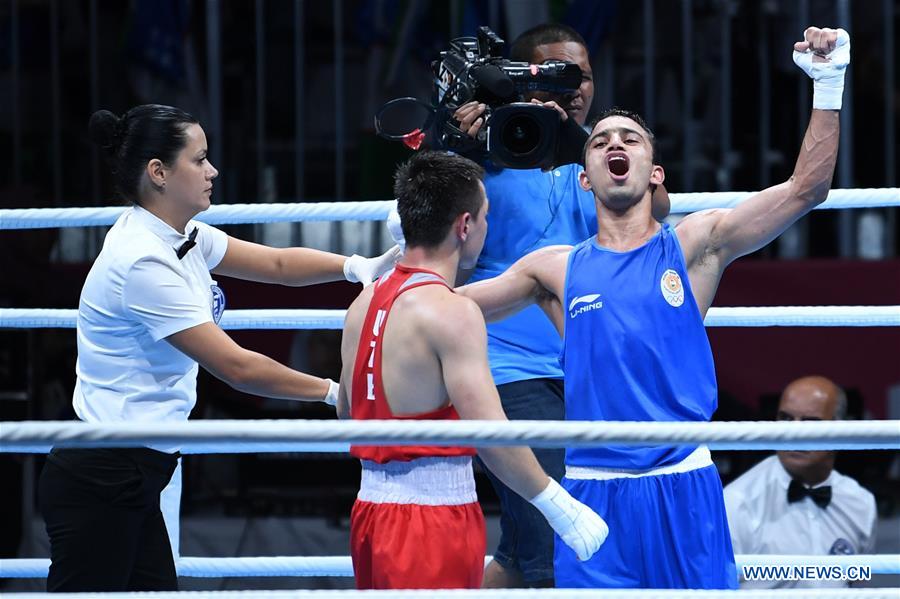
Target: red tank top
(368, 400)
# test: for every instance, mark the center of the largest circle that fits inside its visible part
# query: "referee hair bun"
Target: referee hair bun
(144, 133)
(105, 130)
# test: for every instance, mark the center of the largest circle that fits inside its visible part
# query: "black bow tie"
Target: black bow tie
(797, 491)
(185, 247)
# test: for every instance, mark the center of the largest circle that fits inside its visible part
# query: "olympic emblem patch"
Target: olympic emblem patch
(672, 288)
(218, 302)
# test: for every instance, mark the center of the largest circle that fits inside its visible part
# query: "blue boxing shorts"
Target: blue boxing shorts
(667, 529)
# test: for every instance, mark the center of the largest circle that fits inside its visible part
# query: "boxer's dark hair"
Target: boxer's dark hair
(432, 189)
(628, 114)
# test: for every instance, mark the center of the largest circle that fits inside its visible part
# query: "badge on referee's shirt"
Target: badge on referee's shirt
(218, 302)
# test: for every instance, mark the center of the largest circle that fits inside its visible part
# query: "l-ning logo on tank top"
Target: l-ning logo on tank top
(370, 365)
(672, 289)
(584, 303)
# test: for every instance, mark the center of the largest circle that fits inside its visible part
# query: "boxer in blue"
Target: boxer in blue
(629, 304)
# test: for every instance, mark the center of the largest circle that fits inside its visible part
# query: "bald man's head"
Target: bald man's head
(810, 398)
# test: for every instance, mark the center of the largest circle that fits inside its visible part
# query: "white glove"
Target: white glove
(577, 525)
(828, 76)
(358, 269)
(331, 397)
(393, 225)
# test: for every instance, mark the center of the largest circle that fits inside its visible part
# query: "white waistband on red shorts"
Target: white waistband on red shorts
(699, 458)
(423, 481)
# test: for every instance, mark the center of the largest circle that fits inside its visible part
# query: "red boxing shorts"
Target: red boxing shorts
(418, 525)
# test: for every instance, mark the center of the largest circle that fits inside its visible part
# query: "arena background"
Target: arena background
(286, 90)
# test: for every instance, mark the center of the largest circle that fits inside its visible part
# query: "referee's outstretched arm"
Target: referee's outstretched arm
(245, 370)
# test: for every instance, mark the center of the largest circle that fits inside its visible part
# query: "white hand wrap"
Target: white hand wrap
(828, 77)
(331, 397)
(365, 270)
(393, 225)
(577, 525)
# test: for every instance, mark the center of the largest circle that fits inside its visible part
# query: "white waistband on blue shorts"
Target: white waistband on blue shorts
(699, 458)
(424, 481)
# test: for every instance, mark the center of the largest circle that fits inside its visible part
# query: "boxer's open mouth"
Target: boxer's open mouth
(617, 163)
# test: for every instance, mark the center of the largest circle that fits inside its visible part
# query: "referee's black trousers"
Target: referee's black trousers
(101, 509)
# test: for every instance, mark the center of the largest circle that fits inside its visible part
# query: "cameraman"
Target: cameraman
(530, 209)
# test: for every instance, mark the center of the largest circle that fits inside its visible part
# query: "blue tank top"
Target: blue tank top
(635, 347)
(530, 209)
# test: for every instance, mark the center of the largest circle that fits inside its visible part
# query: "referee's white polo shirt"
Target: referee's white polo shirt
(138, 293)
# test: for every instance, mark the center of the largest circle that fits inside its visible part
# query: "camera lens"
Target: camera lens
(521, 134)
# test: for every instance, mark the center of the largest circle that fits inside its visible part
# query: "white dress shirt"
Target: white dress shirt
(138, 293)
(763, 522)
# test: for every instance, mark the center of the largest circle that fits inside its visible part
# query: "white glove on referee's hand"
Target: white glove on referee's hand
(824, 55)
(358, 269)
(577, 525)
(394, 226)
(331, 397)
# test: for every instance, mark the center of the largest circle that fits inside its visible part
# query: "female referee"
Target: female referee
(147, 317)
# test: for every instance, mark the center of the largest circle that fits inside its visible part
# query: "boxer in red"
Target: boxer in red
(413, 349)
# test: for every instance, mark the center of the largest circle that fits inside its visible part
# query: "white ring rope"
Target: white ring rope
(237, 436)
(804, 316)
(219, 214)
(486, 594)
(229, 214)
(214, 567)
(48, 318)
(837, 199)
(766, 316)
(221, 567)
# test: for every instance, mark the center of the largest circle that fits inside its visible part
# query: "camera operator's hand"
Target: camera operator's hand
(563, 115)
(469, 117)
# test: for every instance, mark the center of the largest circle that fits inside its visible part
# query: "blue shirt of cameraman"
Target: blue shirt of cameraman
(530, 209)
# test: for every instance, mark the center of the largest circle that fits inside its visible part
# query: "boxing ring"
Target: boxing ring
(202, 437)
